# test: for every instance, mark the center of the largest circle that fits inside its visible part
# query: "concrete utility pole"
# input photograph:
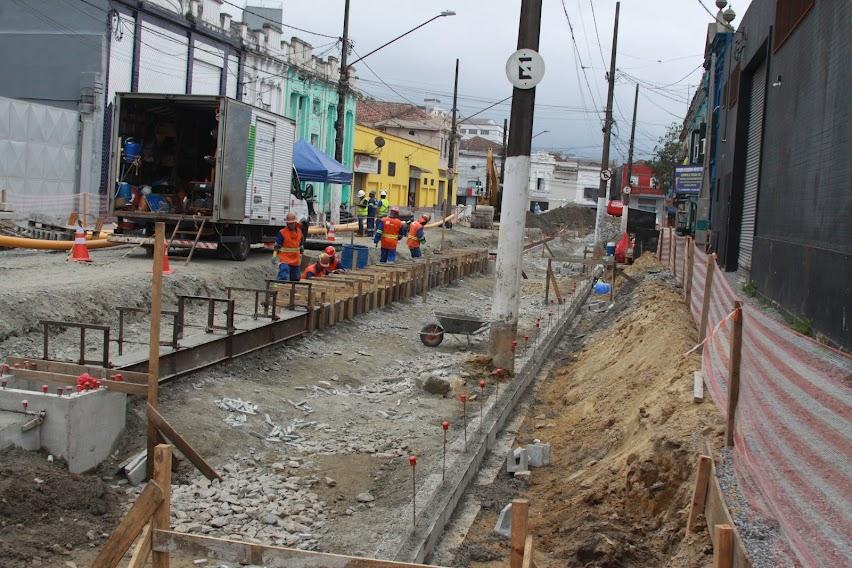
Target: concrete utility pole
(510, 245)
(602, 196)
(703, 209)
(626, 196)
(342, 89)
(451, 160)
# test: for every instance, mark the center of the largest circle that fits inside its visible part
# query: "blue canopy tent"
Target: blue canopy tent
(313, 165)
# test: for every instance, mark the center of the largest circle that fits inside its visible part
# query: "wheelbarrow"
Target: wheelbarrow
(432, 334)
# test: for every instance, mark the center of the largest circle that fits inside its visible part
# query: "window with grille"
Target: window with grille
(392, 169)
(788, 15)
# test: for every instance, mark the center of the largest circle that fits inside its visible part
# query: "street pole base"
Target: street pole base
(501, 336)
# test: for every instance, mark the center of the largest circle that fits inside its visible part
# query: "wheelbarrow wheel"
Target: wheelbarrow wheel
(432, 335)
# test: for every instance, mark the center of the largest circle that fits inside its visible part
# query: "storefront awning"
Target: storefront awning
(414, 171)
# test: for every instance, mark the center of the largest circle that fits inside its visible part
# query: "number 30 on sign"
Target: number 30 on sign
(525, 68)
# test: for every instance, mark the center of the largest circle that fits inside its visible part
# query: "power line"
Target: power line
(597, 35)
(577, 54)
(262, 17)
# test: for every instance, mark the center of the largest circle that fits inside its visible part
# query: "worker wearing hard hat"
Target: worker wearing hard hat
(317, 269)
(289, 245)
(361, 211)
(417, 236)
(388, 232)
(372, 209)
(384, 205)
(333, 260)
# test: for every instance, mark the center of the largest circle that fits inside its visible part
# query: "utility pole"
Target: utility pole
(451, 160)
(626, 196)
(510, 244)
(602, 197)
(342, 89)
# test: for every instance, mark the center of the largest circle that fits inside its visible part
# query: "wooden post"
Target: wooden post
(690, 261)
(528, 561)
(612, 288)
(723, 549)
(154, 338)
(699, 492)
(670, 247)
(708, 291)
(520, 511)
(734, 372)
(161, 520)
(673, 257)
(659, 247)
(4, 203)
(685, 259)
(85, 209)
(547, 282)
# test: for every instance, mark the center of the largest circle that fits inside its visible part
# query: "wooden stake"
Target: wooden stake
(671, 243)
(175, 438)
(734, 372)
(85, 209)
(520, 512)
(659, 247)
(130, 526)
(161, 520)
(690, 261)
(528, 561)
(723, 550)
(547, 282)
(139, 558)
(673, 257)
(699, 492)
(708, 291)
(154, 338)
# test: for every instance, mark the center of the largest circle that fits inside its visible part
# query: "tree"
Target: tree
(667, 154)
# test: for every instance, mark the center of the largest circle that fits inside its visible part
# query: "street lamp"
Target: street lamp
(540, 133)
(343, 87)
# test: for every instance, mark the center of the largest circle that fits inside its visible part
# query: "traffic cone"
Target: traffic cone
(166, 268)
(79, 250)
(329, 235)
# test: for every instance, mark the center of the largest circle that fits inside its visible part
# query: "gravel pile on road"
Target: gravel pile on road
(254, 503)
(571, 216)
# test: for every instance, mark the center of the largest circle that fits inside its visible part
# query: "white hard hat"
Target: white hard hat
(384, 194)
(361, 193)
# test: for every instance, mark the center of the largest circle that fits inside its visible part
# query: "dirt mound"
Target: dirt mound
(45, 512)
(573, 217)
(625, 435)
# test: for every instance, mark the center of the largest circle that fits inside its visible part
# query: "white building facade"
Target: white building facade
(482, 127)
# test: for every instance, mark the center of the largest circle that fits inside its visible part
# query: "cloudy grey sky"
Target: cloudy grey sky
(661, 43)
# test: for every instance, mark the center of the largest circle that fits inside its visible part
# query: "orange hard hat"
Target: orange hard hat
(424, 219)
(394, 209)
(329, 250)
(323, 260)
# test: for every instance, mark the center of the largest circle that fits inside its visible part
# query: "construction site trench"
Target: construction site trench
(312, 437)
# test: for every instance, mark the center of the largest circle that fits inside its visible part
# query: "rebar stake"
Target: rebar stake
(463, 399)
(413, 461)
(446, 426)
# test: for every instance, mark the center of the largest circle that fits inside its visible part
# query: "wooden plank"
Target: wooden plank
(161, 520)
(723, 550)
(708, 291)
(699, 492)
(142, 550)
(697, 386)
(130, 526)
(71, 380)
(74, 369)
(174, 437)
(520, 512)
(154, 338)
(239, 552)
(734, 373)
(527, 561)
(716, 513)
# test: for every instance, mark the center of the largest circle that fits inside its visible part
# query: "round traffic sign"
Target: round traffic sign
(606, 174)
(626, 190)
(525, 68)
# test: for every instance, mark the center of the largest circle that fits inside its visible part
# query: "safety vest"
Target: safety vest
(414, 231)
(384, 206)
(314, 270)
(391, 231)
(290, 252)
(333, 264)
(362, 207)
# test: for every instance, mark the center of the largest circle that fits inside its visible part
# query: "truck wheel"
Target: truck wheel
(237, 249)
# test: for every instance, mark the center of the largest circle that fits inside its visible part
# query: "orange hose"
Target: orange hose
(41, 244)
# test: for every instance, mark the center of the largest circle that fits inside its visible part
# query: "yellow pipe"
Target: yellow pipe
(41, 244)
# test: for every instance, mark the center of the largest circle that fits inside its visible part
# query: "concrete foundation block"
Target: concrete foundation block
(81, 428)
(539, 454)
(525, 476)
(518, 460)
(504, 522)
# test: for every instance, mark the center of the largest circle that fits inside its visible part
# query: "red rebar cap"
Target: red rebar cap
(463, 398)
(445, 425)
(412, 460)
(482, 384)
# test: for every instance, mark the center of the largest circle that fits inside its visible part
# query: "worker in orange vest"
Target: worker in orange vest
(333, 260)
(417, 236)
(289, 245)
(388, 232)
(317, 269)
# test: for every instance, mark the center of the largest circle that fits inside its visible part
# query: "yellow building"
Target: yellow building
(409, 172)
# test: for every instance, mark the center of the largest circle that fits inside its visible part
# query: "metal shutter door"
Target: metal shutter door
(264, 154)
(752, 166)
(205, 78)
(162, 62)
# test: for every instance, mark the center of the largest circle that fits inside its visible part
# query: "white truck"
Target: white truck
(218, 172)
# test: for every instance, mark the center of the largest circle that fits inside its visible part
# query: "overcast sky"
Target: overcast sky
(661, 43)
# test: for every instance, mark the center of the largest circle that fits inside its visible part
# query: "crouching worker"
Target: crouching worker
(317, 269)
(333, 260)
(289, 246)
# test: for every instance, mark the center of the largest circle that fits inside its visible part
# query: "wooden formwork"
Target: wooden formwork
(343, 296)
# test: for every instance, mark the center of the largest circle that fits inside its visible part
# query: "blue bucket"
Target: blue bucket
(610, 249)
(600, 288)
(132, 150)
(357, 253)
(124, 192)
